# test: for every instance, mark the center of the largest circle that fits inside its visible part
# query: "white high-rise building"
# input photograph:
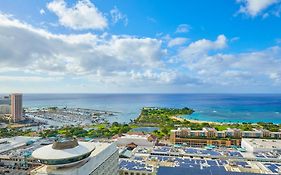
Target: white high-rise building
(70, 157)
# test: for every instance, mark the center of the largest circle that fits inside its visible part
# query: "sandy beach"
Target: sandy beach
(193, 121)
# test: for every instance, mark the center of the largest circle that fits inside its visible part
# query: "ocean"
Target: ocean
(208, 107)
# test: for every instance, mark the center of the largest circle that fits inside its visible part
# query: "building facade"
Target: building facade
(210, 136)
(5, 105)
(16, 107)
(201, 142)
(5, 109)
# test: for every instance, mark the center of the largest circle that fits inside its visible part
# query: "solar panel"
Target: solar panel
(272, 167)
(197, 170)
(133, 165)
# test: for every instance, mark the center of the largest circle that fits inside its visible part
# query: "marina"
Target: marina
(57, 117)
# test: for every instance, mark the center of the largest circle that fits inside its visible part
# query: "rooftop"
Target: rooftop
(65, 144)
(264, 143)
(196, 169)
(63, 150)
(7, 144)
(100, 154)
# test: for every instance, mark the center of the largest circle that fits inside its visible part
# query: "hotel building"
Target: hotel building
(16, 107)
(210, 136)
(70, 157)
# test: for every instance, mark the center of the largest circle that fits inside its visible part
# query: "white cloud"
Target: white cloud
(255, 7)
(117, 16)
(234, 39)
(177, 41)
(108, 61)
(275, 76)
(162, 77)
(42, 11)
(5, 78)
(202, 47)
(79, 54)
(83, 15)
(165, 77)
(183, 28)
(257, 68)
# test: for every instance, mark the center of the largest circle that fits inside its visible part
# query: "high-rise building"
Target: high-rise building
(16, 107)
(5, 100)
(5, 109)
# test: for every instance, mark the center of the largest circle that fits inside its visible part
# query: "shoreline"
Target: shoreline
(194, 121)
(179, 118)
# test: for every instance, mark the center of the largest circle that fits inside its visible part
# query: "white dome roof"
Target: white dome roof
(49, 153)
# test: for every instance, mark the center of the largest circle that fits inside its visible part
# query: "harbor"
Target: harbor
(58, 117)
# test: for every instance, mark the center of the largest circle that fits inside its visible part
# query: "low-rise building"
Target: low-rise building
(7, 144)
(275, 135)
(139, 140)
(201, 142)
(210, 136)
(261, 145)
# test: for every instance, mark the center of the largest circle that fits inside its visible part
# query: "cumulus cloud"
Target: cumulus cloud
(202, 47)
(5, 78)
(255, 7)
(177, 41)
(114, 60)
(276, 77)
(103, 57)
(117, 16)
(183, 28)
(83, 15)
(171, 77)
(249, 68)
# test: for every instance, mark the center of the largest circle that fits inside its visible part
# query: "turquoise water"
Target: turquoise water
(209, 107)
(145, 129)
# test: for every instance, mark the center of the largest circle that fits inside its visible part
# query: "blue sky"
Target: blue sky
(140, 46)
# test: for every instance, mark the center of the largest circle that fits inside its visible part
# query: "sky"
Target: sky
(140, 46)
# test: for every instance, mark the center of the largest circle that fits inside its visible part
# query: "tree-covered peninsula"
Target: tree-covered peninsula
(153, 115)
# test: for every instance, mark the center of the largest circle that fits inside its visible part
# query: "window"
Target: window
(65, 161)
